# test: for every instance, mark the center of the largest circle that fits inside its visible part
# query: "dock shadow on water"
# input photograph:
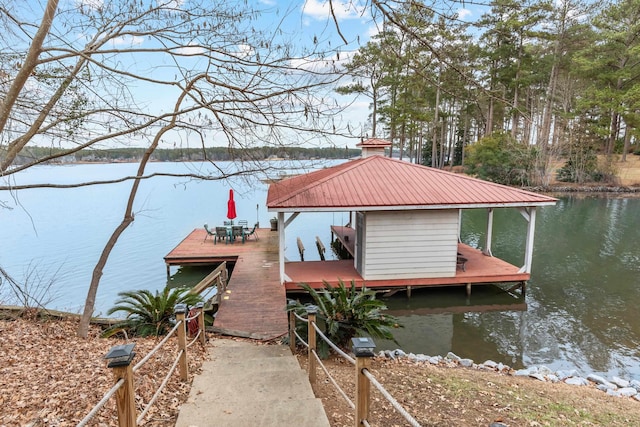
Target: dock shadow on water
(436, 321)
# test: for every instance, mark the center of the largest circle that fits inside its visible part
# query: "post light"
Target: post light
(312, 309)
(180, 309)
(120, 355)
(199, 305)
(363, 346)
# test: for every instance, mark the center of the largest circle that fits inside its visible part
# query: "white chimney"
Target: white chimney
(373, 146)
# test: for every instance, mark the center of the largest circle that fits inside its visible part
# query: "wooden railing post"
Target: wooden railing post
(311, 336)
(363, 349)
(292, 329)
(120, 357)
(180, 311)
(203, 337)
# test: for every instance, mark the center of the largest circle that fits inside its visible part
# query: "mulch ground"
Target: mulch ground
(50, 377)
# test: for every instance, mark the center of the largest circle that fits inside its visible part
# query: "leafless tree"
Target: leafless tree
(79, 75)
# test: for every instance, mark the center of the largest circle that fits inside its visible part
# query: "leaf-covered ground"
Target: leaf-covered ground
(49, 377)
(456, 396)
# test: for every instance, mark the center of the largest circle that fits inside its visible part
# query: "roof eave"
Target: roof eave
(411, 207)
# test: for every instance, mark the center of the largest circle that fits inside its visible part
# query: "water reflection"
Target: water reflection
(581, 300)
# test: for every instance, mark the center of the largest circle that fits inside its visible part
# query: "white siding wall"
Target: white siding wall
(410, 244)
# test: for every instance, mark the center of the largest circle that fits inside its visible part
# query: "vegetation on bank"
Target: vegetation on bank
(130, 154)
(149, 313)
(343, 313)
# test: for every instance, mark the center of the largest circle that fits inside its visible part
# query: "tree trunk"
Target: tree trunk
(26, 69)
(627, 143)
(436, 118)
(83, 328)
(613, 135)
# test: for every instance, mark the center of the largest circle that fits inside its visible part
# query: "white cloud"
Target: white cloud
(463, 14)
(319, 9)
(94, 4)
(171, 4)
(191, 50)
(373, 30)
(127, 41)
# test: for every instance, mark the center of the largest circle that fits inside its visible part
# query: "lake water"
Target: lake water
(581, 301)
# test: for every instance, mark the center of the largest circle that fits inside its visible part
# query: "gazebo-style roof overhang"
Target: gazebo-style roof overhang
(384, 185)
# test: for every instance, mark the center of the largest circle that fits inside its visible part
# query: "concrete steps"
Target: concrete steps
(248, 384)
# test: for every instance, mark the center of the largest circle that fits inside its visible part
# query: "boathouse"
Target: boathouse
(404, 227)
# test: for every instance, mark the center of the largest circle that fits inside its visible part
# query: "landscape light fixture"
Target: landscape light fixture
(363, 346)
(120, 355)
(180, 309)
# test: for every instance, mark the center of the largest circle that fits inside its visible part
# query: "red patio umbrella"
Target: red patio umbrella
(231, 207)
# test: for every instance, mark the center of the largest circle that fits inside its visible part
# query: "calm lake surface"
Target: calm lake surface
(581, 303)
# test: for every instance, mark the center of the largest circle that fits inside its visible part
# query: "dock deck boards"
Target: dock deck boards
(479, 269)
(255, 302)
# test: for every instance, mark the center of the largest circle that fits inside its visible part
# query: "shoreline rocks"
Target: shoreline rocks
(615, 386)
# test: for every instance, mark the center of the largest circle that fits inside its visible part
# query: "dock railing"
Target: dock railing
(217, 278)
(120, 358)
(362, 361)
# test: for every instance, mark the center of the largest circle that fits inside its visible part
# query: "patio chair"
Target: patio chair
(237, 231)
(244, 223)
(461, 261)
(253, 232)
(209, 233)
(221, 234)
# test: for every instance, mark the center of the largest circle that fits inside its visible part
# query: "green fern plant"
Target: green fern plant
(345, 312)
(149, 313)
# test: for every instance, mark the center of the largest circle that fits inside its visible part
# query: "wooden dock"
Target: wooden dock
(255, 301)
(479, 269)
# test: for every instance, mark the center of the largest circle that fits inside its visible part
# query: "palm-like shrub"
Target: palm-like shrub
(149, 313)
(345, 312)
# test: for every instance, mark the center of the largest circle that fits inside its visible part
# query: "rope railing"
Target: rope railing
(303, 342)
(300, 318)
(335, 384)
(120, 358)
(162, 386)
(108, 395)
(194, 338)
(390, 398)
(157, 347)
(363, 350)
(333, 346)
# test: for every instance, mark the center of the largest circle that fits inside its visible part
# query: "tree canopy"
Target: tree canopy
(550, 74)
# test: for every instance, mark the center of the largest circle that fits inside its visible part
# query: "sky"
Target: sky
(310, 19)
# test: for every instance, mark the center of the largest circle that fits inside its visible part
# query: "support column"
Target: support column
(281, 247)
(489, 236)
(528, 255)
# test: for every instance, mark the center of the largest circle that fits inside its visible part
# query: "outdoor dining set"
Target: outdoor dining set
(228, 231)
(231, 233)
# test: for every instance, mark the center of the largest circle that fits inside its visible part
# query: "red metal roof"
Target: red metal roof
(382, 183)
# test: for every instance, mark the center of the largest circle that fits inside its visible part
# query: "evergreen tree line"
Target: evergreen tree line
(528, 83)
(28, 154)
